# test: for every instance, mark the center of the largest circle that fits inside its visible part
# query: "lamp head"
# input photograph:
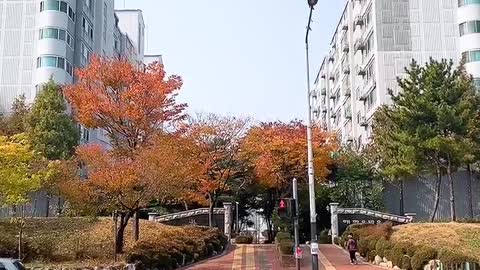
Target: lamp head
(312, 3)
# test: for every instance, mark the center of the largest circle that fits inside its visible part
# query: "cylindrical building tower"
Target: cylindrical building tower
(469, 25)
(56, 41)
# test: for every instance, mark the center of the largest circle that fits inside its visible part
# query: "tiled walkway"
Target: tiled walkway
(264, 257)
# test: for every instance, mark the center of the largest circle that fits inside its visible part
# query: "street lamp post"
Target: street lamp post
(238, 221)
(311, 176)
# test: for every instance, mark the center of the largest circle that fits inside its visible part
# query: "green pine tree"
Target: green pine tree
(51, 130)
(436, 114)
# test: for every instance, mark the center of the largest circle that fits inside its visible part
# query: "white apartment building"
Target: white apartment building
(43, 39)
(469, 30)
(373, 43)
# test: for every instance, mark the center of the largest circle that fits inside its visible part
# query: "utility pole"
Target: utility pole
(295, 223)
(238, 221)
(311, 173)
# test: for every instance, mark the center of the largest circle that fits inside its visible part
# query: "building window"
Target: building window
(54, 62)
(476, 82)
(56, 33)
(87, 29)
(469, 27)
(105, 19)
(71, 14)
(468, 2)
(371, 99)
(471, 56)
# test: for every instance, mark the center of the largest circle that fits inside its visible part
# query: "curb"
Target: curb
(228, 248)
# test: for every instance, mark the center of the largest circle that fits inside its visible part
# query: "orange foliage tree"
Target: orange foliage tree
(278, 153)
(132, 106)
(218, 139)
(160, 171)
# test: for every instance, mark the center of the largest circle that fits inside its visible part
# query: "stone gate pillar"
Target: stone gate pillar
(334, 220)
(228, 219)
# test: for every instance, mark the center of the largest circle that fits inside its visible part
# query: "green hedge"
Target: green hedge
(244, 239)
(286, 247)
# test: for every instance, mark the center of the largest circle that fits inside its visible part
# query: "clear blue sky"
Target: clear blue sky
(243, 57)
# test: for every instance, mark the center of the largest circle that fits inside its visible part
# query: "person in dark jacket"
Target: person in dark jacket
(352, 248)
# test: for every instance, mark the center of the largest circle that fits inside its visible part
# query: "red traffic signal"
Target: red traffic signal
(282, 204)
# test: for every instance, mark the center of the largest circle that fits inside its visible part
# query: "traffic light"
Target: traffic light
(286, 208)
(282, 208)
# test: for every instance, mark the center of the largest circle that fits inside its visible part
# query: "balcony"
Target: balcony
(348, 113)
(360, 94)
(358, 20)
(331, 77)
(363, 121)
(333, 95)
(347, 92)
(331, 58)
(370, 85)
(361, 70)
(322, 75)
(345, 47)
(324, 110)
(349, 138)
(346, 70)
(323, 91)
(344, 26)
(359, 44)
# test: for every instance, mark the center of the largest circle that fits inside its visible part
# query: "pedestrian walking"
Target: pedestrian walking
(352, 248)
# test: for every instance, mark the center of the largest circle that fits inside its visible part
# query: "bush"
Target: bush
(244, 239)
(337, 240)
(363, 247)
(422, 256)
(324, 237)
(286, 247)
(381, 246)
(396, 254)
(406, 264)
(281, 236)
(451, 257)
(371, 255)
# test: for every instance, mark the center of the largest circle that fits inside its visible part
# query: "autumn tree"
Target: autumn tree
(130, 105)
(21, 170)
(218, 139)
(14, 122)
(278, 152)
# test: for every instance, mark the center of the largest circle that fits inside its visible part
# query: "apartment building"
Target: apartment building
(469, 30)
(43, 39)
(372, 44)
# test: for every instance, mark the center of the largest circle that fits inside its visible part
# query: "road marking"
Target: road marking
(250, 254)
(237, 257)
(328, 265)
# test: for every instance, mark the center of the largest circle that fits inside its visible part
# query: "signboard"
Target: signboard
(345, 220)
(298, 253)
(314, 248)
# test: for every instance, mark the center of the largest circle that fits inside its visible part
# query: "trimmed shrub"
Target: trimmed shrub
(422, 256)
(406, 264)
(381, 246)
(451, 257)
(324, 238)
(371, 255)
(282, 236)
(286, 247)
(244, 239)
(337, 240)
(396, 254)
(363, 247)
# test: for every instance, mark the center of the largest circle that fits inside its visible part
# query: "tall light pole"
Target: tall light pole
(311, 175)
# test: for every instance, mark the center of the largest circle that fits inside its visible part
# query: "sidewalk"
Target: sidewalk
(334, 258)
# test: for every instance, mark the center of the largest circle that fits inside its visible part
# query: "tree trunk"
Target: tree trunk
(119, 240)
(59, 206)
(402, 197)
(47, 202)
(20, 242)
(469, 192)
(210, 210)
(453, 216)
(437, 195)
(136, 226)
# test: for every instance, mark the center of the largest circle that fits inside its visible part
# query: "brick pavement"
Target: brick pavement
(264, 257)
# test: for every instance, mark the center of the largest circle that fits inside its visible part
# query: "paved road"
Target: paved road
(264, 257)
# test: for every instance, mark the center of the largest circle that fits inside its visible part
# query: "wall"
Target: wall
(420, 197)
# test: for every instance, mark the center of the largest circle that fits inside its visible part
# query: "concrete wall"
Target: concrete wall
(420, 197)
